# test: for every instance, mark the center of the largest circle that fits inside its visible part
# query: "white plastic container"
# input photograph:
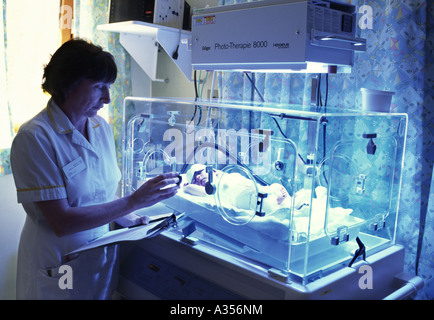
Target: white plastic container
(376, 100)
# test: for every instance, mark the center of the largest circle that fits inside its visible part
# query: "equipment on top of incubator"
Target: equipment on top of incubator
(279, 35)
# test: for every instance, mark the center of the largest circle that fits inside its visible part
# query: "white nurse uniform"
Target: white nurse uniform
(51, 160)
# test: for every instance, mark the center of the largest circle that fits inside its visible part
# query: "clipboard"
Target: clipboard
(158, 224)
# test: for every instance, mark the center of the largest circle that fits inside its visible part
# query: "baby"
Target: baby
(237, 189)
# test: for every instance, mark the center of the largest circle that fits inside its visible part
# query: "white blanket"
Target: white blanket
(276, 223)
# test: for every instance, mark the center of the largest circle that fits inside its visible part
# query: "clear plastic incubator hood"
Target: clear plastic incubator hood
(293, 191)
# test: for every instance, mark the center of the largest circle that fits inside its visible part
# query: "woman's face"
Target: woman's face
(86, 99)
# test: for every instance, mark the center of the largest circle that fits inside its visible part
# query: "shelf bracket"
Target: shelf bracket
(141, 40)
(144, 50)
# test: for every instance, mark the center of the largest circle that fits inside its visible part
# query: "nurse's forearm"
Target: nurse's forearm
(65, 219)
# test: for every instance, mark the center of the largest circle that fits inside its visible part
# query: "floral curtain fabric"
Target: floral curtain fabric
(88, 15)
(5, 167)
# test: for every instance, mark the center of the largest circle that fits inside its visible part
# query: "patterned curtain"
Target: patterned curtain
(23, 71)
(399, 58)
(88, 15)
(5, 167)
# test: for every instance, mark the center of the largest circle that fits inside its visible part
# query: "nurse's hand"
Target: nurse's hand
(156, 189)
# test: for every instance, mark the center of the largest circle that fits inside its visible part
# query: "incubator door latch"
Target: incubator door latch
(359, 252)
(342, 236)
(261, 197)
(379, 223)
(360, 184)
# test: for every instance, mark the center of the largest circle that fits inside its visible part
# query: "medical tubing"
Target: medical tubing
(203, 83)
(228, 154)
(212, 85)
(195, 83)
(278, 126)
(254, 86)
(204, 145)
(281, 132)
(195, 106)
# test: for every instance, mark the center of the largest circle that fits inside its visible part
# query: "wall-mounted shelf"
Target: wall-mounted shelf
(141, 41)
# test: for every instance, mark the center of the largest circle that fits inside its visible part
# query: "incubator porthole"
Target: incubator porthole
(342, 178)
(155, 162)
(401, 127)
(236, 195)
(138, 145)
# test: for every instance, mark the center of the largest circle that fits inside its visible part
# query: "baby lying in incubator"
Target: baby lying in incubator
(235, 187)
(238, 190)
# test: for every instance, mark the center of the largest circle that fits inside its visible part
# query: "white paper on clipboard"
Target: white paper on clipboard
(121, 235)
(111, 237)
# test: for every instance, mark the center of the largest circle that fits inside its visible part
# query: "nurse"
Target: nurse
(65, 171)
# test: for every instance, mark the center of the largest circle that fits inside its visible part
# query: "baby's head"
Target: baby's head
(197, 175)
(193, 172)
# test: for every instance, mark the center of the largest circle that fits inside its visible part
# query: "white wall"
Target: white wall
(140, 82)
(12, 218)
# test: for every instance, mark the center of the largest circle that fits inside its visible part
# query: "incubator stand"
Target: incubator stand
(294, 197)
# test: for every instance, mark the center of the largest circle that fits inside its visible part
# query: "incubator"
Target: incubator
(295, 193)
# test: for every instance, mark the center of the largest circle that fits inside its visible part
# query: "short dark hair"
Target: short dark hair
(76, 60)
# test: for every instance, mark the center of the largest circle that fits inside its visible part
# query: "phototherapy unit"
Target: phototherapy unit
(300, 201)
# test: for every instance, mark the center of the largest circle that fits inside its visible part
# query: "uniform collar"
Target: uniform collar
(61, 122)
(58, 118)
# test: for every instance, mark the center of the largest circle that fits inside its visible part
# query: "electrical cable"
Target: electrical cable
(281, 132)
(318, 108)
(195, 83)
(196, 107)
(212, 85)
(229, 155)
(175, 53)
(254, 87)
(203, 83)
(275, 121)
